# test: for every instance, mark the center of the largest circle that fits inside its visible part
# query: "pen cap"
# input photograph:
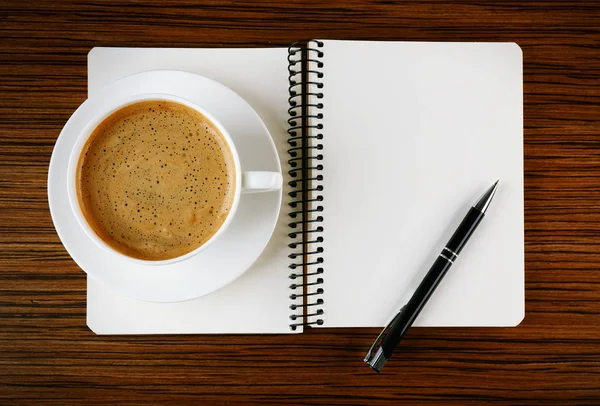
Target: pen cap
(377, 360)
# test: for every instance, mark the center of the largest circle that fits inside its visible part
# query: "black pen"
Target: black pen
(407, 315)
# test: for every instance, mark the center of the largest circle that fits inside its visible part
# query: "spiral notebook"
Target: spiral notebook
(384, 146)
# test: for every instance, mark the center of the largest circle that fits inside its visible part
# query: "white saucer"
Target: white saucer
(227, 258)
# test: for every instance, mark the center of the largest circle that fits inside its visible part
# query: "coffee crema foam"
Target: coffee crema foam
(156, 180)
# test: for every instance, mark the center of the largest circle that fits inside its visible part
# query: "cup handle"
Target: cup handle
(259, 181)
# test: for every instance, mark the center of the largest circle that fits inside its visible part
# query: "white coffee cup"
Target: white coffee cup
(245, 182)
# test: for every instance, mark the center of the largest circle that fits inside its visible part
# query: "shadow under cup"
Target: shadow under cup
(154, 180)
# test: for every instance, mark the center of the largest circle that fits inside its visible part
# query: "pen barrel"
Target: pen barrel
(431, 281)
(464, 232)
(414, 306)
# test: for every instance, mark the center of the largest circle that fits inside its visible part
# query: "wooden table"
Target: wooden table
(48, 355)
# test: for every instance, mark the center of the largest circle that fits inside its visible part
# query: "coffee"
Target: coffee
(156, 180)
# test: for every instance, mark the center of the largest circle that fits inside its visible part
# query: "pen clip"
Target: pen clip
(376, 360)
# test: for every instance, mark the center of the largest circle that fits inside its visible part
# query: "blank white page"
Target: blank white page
(257, 302)
(413, 133)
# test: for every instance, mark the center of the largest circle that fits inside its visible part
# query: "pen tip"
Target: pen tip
(483, 203)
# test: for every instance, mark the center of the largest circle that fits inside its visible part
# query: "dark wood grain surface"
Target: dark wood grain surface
(47, 354)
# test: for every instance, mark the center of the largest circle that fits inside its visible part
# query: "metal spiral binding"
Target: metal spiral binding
(305, 100)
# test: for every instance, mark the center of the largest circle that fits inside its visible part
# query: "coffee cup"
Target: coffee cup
(97, 229)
